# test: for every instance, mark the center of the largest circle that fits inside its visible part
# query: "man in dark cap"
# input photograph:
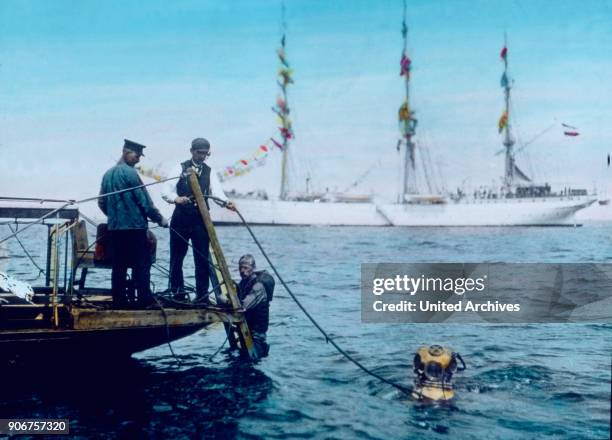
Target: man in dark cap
(187, 222)
(127, 214)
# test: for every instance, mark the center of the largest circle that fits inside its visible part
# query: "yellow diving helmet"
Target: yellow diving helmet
(434, 367)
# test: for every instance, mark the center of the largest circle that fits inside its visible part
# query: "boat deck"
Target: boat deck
(91, 329)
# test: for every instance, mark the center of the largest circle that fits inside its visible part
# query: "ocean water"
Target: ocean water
(522, 382)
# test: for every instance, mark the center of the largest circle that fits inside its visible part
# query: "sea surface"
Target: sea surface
(522, 382)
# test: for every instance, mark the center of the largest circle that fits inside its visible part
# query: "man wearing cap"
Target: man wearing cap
(187, 223)
(128, 213)
(254, 298)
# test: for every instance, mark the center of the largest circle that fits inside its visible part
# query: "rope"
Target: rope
(14, 233)
(33, 199)
(223, 203)
(193, 248)
(218, 349)
(38, 220)
(161, 269)
(76, 202)
(178, 361)
(328, 338)
(40, 270)
(161, 307)
(163, 311)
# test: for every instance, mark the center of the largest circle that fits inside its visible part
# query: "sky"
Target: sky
(77, 77)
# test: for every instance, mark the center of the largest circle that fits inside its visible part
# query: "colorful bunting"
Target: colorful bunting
(285, 75)
(503, 121)
(150, 172)
(407, 122)
(277, 144)
(404, 112)
(281, 105)
(408, 128)
(504, 80)
(243, 166)
(405, 63)
(285, 132)
(258, 158)
(573, 131)
(281, 56)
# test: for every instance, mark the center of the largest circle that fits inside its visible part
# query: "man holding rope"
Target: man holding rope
(128, 213)
(187, 223)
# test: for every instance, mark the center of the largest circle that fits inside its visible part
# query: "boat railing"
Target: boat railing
(494, 200)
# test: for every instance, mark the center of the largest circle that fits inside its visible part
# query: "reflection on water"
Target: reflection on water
(135, 399)
(522, 382)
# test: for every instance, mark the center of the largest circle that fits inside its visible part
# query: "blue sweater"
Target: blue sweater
(130, 209)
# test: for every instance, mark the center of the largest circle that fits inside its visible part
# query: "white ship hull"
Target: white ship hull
(278, 212)
(549, 211)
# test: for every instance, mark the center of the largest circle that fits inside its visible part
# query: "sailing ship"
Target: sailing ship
(291, 207)
(518, 201)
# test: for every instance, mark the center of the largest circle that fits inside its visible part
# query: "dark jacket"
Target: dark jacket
(252, 294)
(129, 209)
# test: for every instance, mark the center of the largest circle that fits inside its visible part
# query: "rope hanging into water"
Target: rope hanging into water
(328, 338)
(76, 202)
(223, 203)
(40, 269)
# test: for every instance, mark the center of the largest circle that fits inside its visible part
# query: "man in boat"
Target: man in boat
(128, 213)
(187, 222)
(255, 292)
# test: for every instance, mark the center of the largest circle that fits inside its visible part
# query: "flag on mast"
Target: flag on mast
(504, 53)
(572, 132)
(503, 121)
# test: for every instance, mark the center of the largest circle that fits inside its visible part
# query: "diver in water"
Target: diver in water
(255, 291)
(434, 367)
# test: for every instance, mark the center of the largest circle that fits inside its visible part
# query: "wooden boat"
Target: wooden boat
(67, 318)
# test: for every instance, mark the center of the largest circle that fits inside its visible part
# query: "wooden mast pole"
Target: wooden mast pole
(508, 141)
(409, 183)
(244, 333)
(284, 114)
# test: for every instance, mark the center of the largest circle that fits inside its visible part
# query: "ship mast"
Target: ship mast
(407, 121)
(504, 123)
(282, 108)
